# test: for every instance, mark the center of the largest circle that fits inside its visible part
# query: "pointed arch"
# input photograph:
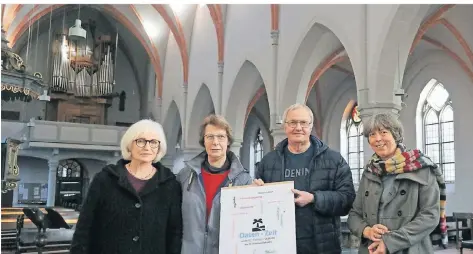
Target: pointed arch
(248, 87)
(173, 127)
(202, 106)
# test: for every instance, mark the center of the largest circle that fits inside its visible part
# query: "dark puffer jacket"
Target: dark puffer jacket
(115, 219)
(331, 183)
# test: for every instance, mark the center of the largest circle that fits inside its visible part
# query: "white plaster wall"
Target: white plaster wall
(198, 109)
(293, 30)
(334, 111)
(173, 79)
(247, 37)
(247, 149)
(203, 54)
(440, 66)
(245, 86)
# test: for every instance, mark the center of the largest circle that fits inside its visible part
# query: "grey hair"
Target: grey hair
(298, 106)
(386, 121)
(138, 128)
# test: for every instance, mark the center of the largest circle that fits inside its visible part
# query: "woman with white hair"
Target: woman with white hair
(133, 206)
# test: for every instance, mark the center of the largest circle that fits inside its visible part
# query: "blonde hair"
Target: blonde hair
(138, 128)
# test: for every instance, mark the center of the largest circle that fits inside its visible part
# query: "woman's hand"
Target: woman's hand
(374, 233)
(377, 248)
(258, 182)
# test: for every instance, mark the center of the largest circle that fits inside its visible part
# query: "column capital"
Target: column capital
(53, 163)
(367, 111)
(278, 135)
(236, 146)
(184, 86)
(275, 37)
(190, 152)
(220, 66)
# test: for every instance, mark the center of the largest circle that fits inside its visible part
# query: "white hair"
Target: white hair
(298, 106)
(138, 128)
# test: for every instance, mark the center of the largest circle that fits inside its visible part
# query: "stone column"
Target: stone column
(220, 89)
(278, 136)
(236, 146)
(159, 113)
(52, 164)
(184, 123)
(190, 152)
(274, 102)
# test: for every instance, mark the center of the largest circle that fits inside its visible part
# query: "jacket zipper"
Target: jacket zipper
(191, 180)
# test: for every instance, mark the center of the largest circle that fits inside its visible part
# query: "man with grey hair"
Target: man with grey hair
(322, 180)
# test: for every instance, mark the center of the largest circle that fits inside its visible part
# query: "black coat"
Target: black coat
(330, 182)
(115, 219)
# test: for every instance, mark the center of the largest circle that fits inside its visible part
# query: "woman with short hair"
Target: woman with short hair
(134, 206)
(201, 181)
(401, 196)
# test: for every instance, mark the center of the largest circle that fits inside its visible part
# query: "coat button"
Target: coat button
(136, 238)
(137, 205)
(399, 213)
(403, 192)
(367, 193)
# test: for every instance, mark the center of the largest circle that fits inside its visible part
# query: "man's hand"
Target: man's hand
(375, 232)
(377, 248)
(258, 182)
(303, 197)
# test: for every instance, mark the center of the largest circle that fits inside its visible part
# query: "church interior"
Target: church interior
(67, 100)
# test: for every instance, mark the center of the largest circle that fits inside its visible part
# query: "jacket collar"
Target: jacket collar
(235, 167)
(119, 172)
(420, 176)
(319, 146)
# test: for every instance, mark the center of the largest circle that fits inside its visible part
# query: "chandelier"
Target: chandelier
(83, 63)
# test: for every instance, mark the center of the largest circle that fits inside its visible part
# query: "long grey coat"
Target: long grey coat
(411, 213)
(200, 237)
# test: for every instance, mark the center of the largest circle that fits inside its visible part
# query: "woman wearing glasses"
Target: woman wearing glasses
(201, 180)
(133, 206)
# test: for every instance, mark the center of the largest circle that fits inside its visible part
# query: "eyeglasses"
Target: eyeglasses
(211, 137)
(293, 124)
(153, 143)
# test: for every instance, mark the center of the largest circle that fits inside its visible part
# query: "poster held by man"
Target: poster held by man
(258, 219)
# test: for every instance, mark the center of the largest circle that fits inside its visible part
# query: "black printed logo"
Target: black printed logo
(258, 225)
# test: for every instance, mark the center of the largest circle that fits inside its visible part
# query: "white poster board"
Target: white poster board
(258, 219)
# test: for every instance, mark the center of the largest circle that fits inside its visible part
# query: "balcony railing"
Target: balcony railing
(49, 134)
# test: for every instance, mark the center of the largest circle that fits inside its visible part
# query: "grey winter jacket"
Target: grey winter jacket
(200, 237)
(411, 213)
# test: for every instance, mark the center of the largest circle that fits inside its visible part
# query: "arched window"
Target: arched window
(438, 138)
(69, 169)
(354, 134)
(69, 184)
(258, 147)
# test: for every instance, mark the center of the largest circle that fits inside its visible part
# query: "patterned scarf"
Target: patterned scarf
(407, 161)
